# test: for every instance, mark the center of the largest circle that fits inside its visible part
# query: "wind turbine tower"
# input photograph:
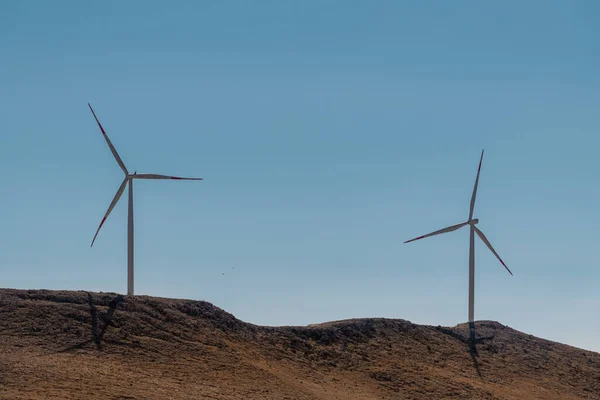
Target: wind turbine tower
(472, 222)
(128, 181)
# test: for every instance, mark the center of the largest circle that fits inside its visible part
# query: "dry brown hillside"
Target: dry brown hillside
(180, 349)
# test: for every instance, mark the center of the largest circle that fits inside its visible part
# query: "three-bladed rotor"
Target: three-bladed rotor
(471, 221)
(128, 176)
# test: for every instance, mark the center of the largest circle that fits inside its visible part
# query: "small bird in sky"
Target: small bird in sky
(223, 273)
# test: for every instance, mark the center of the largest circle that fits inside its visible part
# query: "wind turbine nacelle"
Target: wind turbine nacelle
(474, 221)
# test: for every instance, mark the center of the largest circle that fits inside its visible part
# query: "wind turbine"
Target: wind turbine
(473, 230)
(129, 177)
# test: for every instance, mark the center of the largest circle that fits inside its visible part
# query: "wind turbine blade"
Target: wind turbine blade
(475, 188)
(112, 205)
(489, 245)
(445, 230)
(112, 148)
(156, 176)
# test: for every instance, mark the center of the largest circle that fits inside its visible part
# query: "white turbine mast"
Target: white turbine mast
(129, 177)
(473, 230)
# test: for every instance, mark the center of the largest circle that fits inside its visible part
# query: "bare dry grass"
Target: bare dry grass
(158, 348)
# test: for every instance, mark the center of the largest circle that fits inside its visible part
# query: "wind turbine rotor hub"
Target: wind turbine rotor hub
(474, 221)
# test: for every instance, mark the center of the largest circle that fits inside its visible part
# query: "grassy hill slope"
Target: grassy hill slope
(157, 348)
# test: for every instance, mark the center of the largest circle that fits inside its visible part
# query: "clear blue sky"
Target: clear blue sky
(328, 132)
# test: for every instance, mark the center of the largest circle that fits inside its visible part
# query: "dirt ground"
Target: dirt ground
(158, 348)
